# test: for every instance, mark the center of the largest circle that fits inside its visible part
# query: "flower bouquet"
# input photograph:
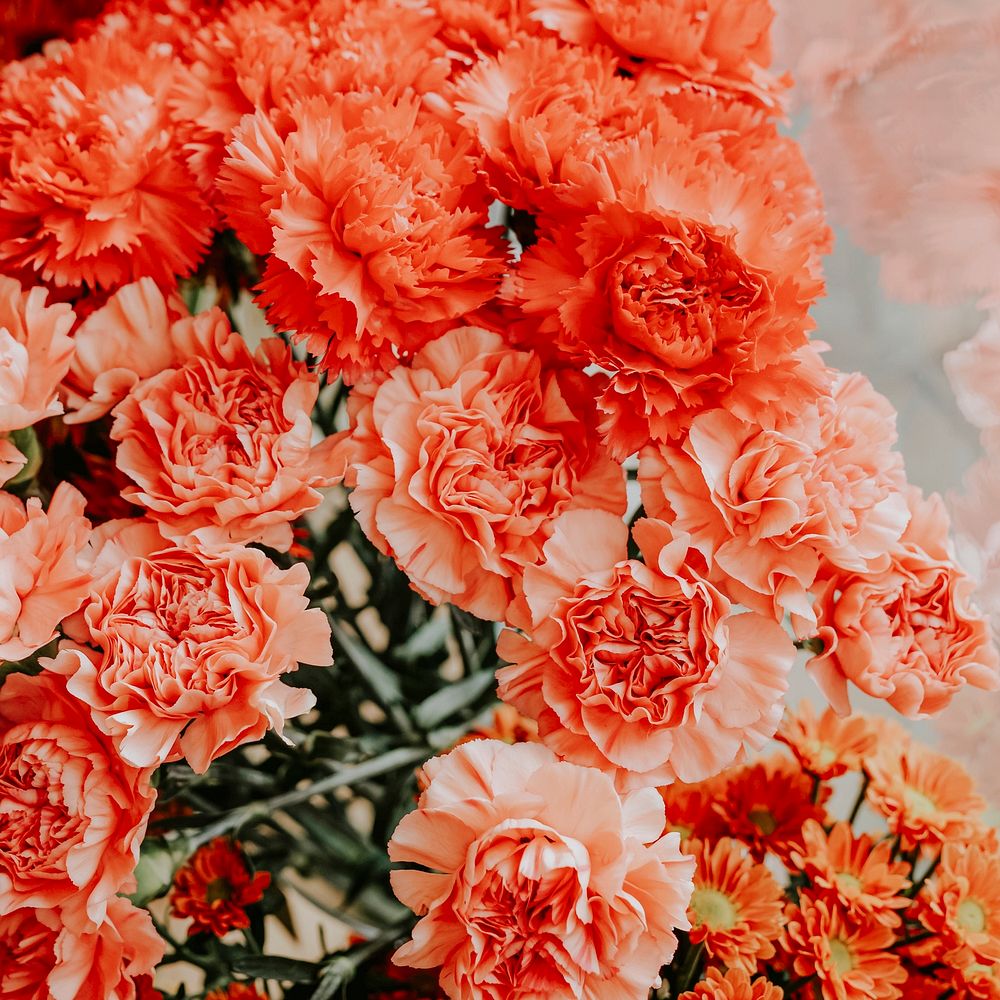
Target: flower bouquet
(364, 362)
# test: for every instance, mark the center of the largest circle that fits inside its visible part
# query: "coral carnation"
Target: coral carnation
(191, 646)
(462, 461)
(215, 888)
(639, 668)
(537, 878)
(735, 984)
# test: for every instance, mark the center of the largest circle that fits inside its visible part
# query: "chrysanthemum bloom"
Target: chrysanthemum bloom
(927, 799)
(724, 45)
(42, 958)
(72, 812)
(766, 804)
(236, 991)
(908, 632)
(215, 887)
(137, 333)
(35, 352)
(190, 646)
(855, 874)
(538, 878)
(220, 447)
(734, 984)
(689, 808)
(640, 668)
(374, 220)
(852, 961)
(736, 907)
(827, 746)
(961, 906)
(768, 505)
(685, 282)
(45, 577)
(462, 461)
(95, 189)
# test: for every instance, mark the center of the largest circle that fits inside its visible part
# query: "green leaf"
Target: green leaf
(288, 970)
(443, 704)
(428, 639)
(383, 682)
(338, 973)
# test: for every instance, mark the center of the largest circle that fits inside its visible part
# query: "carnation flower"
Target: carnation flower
(640, 668)
(366, 264)
(42, 958)
(191, 646)
(907, 632)
(828, 746)
(537, 878)
(214, 889)
(927, 799)
(768, 505)
(220, 447)
(72, 812)
(734, 984)
(766, 804)
(462, 461)
(44, 578)
(855, 874)
(473, 28)
(851, 961)
(736, 907)
(95, 189)
(35, 352)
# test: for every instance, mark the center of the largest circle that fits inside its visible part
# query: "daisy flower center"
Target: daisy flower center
(840, 956)
(919, 803)
(848, 881)
(763, 820)
(714, 909)
(971, 916)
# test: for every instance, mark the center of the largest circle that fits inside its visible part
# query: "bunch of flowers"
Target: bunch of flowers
(445, 350)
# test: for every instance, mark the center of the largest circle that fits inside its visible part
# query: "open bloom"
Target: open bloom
(375, 223)
(827, 746)
(908, 632)
(220, 446)
(42, 958)
(72, 812)
(45, 578)
(462, 461)
(734, 984)
(639, 668)
(35, 352)
(190, 646)
(538, 878)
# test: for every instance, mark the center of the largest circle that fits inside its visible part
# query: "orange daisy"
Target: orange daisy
(926, 799)
(735, 984)
(961, 906)
(736, 906)
(690, 808)
(853, 873)
(851, 961)
(765, 804)
(829, 745)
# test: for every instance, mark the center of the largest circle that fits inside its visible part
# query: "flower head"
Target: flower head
(827, 746)
(236, 991)
(734, 984)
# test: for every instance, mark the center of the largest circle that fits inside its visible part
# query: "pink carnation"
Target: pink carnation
(461, 462)
(537, 878)
(44, 577)
(641, 669)
(191, 646)
(220, 447)
(908, 633)
(72, 812)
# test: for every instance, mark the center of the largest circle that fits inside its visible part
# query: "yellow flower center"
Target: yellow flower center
(763, 820)
(823, 754)
(840, 956)
(217, 889)
(845, 880)
(919, 803)
(971, 916)
(714, 909)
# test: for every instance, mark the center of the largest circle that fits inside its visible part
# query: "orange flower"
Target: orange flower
(506, 725)
(95, 188)
(735, 984)
(853, 873)
(766, 804)
(736, 907)
(365, 263)
(236, 991)
(215, 887)
(927, 799)
(689, 808)
(852, 962)
(828, 746)
(961, 906)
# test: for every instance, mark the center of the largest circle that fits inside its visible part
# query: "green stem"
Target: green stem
(859, 801)
(691, 966)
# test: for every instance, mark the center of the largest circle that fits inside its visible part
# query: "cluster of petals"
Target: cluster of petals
(461, 462)
(182, 651)
(537, 878)
(828, 745)
(643, 669)
(733, 984)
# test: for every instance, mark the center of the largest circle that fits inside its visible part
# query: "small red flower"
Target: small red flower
(237, 991)
(214, 888)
